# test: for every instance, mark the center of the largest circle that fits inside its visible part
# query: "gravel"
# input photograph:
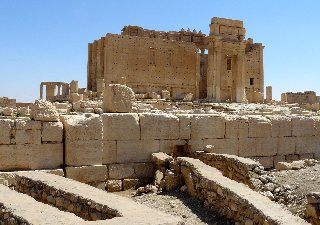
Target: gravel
(177, 203)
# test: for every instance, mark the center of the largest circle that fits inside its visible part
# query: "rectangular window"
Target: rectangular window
(251, 81)
(229, 63)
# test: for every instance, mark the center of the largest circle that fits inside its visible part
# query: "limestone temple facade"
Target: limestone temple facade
(222, 67)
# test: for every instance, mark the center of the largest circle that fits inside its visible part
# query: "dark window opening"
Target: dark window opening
(251, 81)
(229, 62)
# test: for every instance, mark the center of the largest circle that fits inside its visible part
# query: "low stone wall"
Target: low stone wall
(17, 208)
(230, 198)
(87, 202)
(236, 168)
(312, 212)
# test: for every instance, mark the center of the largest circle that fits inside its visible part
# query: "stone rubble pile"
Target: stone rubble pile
(312, 212)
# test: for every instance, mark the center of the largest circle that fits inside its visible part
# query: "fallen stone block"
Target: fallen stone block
(118, 98)
(43, 110)
(87, 174)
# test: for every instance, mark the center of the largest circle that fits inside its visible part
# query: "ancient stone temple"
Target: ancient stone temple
(221, 67)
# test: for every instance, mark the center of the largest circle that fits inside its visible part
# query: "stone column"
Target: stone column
(210, 72)
(74, 86)
(65, 90)
(268, 94)
(241, 77)
(217, 74)
(59, 90)
(89, 67)
(41, 91)
(50, 91)
(261, 84)
(197, 76)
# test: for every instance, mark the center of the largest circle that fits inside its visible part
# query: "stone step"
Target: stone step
(17, 208)
(93, 205)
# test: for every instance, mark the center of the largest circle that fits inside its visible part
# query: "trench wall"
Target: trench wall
(113, 151)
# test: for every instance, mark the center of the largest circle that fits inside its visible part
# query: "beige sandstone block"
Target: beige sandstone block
(136, 151)
(281, 126)
(27, 124)
(285, 145)
(278, 158)
(184, 126)
(121, 171)
(266, 162)
(159, 126)
(169, 146)
(253, 147)
(292, 157)
(109, 153)
(46, 156)
(120, 126)
(87, 174)
(118, 98)
(5, 131)
(28, 137)
(82, 127)
(144, 170)
(52, 132)
(259, 127)
(223, 146)
(303, 126)
(207, 126)
(114, 185)
(15, 157)
(43, 110)
(195, 145)
(307, 144)
(237, 127)
(83, 153)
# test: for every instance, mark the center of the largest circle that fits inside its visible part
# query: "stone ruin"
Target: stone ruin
(157, 110)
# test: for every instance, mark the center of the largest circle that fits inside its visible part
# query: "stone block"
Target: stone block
(223, 146)
(15, 157)
(114, 185)
(303, 126)
(207, 126)
(144, 170)
(83, 153)
(306, 156)
(121, 171)
(259, 127)
(266, 162)
(292, 157)
(58, 172)
(195, 145)
(5, 131)
(109, 153)
(281, 126)
(87, 174)
(285, 145)
(28, 137)
(278, 158)
(252, 147)
(307, 144)
(237, 127)
(136, 151)
(159, 126)
(118, 98)
(27, 124)
(130, 184)
(46, 156)
(43, 110)
(82, 127)
(120, 126)
(184, 126)
(170, 146)
(52, 132)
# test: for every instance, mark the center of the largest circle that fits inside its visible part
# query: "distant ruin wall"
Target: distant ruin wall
(117, 147)
(309, 97)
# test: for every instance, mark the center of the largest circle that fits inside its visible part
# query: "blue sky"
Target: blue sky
(47, 40)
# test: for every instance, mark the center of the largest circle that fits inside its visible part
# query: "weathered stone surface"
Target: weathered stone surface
(43, 110)
(281, 126)
(109, 153)
(223, 146)
(27, 137)
(46, 156)
(82, 127)
(83, 153)
(52, 132)
(170, 146)
(120, 126)
(136, 151)
(237, 127)
(15, 157)
(114, 185)
(87, 174)
(121, 171)
(259, 127)
(159, 126)
(302, 126)
(118, 98)
(257, 147)
(27, 124)
(207, 126)
(184, 126)
(5, 131)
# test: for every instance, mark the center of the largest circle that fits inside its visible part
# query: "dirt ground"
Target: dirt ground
(177, 203)
(302, 182)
